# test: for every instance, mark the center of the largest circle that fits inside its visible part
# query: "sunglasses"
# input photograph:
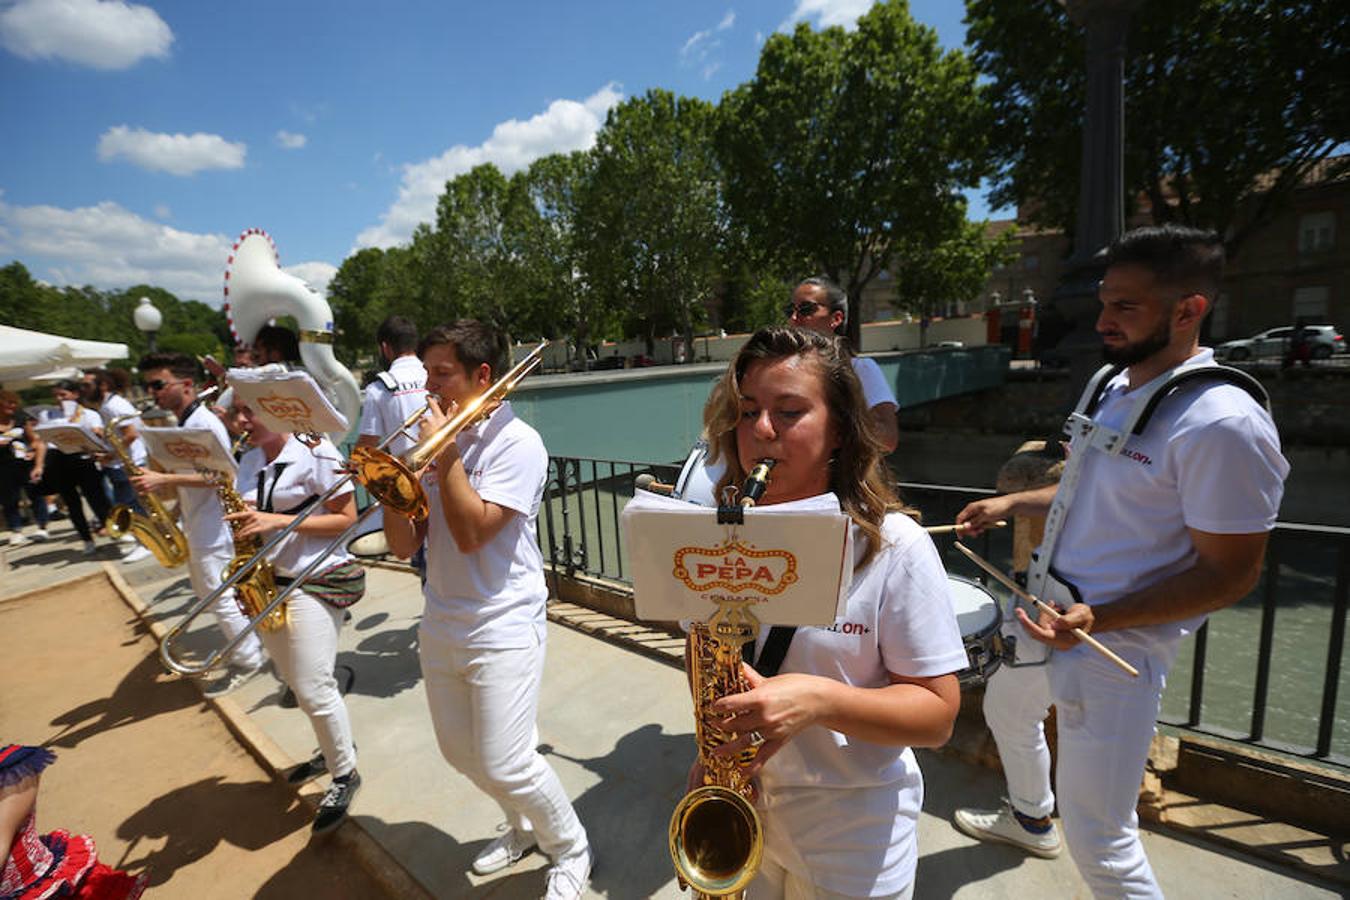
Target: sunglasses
(158, 384)
(801, 310)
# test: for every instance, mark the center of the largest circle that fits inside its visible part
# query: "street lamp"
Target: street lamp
(147, 319)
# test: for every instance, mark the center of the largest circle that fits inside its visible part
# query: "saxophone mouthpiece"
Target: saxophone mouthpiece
(757, 482)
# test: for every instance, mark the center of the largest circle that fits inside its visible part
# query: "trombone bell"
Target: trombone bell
(390, 482)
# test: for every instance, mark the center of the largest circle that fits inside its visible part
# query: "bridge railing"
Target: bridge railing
(1267, 671)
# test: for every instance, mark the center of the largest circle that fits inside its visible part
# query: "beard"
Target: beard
(1137, 352)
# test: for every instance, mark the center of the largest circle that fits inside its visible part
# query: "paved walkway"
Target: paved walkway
(617, 728)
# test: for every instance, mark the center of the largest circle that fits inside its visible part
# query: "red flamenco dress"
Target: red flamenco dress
(58, 864)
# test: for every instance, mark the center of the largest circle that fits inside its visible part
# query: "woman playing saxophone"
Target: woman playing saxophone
(839, 788)
(278, 479)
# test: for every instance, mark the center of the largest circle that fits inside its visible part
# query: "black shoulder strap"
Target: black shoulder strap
(1103, 377)
(1227, 374)
(775, 649)
(388, 380)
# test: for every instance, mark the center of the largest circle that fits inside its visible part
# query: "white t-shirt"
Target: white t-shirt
(495, 596)
(203, 517)
(115, 406)
(1208, 459)
(383, 410)
(876, 390)
(841, 811)
(296, 475)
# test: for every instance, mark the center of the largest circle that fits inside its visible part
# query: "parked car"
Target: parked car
(1323, 341)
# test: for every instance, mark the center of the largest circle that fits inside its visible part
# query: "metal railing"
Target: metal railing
(1306, 579)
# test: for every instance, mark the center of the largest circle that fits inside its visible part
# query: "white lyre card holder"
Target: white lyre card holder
(186, 450)
(69, 437)
(287, 401)
(792, 561)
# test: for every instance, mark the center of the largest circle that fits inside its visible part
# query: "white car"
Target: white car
(1323, 342)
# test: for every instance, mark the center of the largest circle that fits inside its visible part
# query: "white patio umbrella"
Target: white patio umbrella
(28, 357)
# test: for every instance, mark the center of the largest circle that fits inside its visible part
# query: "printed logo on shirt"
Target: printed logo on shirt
(735, 567)
(847, 628)
(1136, 456)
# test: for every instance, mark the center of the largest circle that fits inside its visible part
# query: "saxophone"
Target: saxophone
(155, 529)
(258, 588)
(716, 837)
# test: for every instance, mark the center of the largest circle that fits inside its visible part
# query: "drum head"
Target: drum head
(369, 545)
(976, 608)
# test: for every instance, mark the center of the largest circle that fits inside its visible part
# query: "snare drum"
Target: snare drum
(698, 480)
(979, 617)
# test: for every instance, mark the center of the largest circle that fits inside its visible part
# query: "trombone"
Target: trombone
(393, 481)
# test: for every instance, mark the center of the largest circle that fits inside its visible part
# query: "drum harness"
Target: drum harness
(1085, 434)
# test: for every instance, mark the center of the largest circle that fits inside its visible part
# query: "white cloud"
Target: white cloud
(162, 211)
(112, 248)
(828, 13)
(177, 154)
(566, 125)
(318, 274)
(289, 140)
(702, 44)
(102, 34)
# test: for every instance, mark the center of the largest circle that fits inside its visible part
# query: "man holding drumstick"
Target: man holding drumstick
(1157, 532)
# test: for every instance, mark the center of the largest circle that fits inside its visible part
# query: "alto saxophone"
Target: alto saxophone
(258, 588)
(716, 837)
(155, 529)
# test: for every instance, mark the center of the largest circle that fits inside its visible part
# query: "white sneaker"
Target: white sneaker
(1001, 826)
(40, 534)
(229, 681)
(89, 549)
(17, 539)
(568, 876)
(136, 553)
(504, 851)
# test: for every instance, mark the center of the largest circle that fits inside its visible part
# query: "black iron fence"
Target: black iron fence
(1265, 672)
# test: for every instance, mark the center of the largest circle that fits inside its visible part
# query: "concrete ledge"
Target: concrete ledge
(351, 836)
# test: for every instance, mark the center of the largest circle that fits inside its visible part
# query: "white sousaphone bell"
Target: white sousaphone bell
(258, 291)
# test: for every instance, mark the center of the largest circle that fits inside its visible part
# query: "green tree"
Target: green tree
(561, 293)
(654, 222)
(847, 152)
(358, 307)
(953, 270)
(1228, 106)
(475, 256)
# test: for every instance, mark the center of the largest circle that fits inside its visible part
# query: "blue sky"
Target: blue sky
(142, 138)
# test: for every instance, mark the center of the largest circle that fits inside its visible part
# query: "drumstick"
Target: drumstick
(1042, 605)
(962, 526)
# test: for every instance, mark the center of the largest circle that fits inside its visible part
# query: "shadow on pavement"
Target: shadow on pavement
(193, 820)
(143, 693)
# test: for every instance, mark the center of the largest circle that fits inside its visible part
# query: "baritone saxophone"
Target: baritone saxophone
(716, 837)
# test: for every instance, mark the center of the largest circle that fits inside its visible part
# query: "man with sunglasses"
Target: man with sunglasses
(171, 380)
(820, 305)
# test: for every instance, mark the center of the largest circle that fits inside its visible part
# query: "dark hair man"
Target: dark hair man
(101, 389)
(820, 305)
(1163, 527)
(483, 633)
(171, 380)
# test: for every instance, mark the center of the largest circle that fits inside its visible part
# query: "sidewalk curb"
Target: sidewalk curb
(351, 835)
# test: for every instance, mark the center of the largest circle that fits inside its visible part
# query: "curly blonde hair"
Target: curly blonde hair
(858, 474)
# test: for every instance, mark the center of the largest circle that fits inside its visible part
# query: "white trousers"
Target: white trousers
(773, 882)
(1016, 702)
(1106, 721)
(483, 705)
(305, 653)
(204, 570)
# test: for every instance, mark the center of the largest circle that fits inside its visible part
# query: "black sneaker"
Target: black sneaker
(312, 768)
(333, 806)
